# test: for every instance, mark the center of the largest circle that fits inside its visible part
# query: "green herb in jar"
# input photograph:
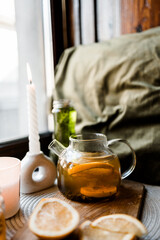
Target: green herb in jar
(64, 120)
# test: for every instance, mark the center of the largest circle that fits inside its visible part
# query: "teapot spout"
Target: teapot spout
(56, 147)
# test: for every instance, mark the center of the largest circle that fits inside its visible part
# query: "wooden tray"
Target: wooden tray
(128, 201)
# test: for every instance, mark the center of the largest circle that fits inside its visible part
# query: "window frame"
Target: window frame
(62, 29)
(20, 146)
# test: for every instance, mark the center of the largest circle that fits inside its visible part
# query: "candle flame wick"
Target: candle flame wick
(29, 74)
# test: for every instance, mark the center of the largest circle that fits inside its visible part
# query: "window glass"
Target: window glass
(22, 40)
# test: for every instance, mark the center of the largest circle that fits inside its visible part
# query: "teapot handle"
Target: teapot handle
(132, 167)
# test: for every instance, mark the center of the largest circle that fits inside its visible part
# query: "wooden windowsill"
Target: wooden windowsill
(19, 147)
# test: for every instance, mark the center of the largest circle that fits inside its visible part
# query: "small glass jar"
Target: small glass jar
(2, 219)
(64, 120)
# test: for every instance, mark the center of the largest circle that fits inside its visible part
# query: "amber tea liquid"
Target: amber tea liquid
(2, 227)
(89, 177)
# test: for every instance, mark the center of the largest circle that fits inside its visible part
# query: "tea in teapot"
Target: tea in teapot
(87, 168)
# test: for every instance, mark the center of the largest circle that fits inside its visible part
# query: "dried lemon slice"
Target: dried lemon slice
(120, 223)
(87, 232)
(82, 167)
(98, 192)
(53, 218)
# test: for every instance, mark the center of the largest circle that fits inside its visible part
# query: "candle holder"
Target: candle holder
(37, 173)
(37, 170)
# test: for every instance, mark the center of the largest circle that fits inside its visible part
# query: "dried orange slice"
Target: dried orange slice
(87, 232)
(53, 218)
(120, 223)
(98, 192)
(82, 167)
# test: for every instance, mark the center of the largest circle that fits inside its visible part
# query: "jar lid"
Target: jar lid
(61, 103)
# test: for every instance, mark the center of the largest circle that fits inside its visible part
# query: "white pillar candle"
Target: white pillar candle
(34, 144)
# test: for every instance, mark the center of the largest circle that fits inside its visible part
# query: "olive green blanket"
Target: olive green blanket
(115, 88)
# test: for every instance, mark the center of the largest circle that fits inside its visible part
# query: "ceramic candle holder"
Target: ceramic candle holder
(37, 173)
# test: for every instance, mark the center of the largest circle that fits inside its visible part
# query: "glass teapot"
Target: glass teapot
(87, 169)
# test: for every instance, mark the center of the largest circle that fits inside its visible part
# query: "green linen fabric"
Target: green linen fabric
(115, 88)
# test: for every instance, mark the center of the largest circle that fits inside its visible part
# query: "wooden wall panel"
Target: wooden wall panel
(87, 21)
(77, 22)
(57, 29)
(139, 15)
(108, 19)
(68, 23)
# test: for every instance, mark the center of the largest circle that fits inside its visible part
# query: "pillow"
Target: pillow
(115, 88)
